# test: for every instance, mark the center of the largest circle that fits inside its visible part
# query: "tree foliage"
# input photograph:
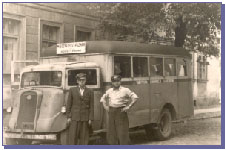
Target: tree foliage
(189, 25)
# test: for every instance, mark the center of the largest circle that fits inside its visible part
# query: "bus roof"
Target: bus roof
(122, 47)
(60, 66)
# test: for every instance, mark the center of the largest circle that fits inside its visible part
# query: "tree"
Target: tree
(191, 25)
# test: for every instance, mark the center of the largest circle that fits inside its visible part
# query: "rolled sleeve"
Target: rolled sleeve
(103, 98)
(131, 94)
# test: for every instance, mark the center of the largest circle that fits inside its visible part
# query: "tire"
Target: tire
(11, 141)
(149, 132)
(163, 131)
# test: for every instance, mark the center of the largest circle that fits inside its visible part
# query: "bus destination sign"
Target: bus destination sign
(70, 48)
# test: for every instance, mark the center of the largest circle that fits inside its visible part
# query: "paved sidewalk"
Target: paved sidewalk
(203, 113)
(207, 112)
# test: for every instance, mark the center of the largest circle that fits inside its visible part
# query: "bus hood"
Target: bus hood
(36, 110)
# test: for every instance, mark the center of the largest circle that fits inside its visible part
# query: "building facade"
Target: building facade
(30, 28)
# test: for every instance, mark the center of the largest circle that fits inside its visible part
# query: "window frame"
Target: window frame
(178, 60)
(175, 60)
(62, 78)
(148, 69)
(18, 53)
(89, 86)
(83, 29)
(50, 23)
(200, 72)
(157, 77)
(131, 68)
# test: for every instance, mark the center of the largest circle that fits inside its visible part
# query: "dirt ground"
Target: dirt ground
(194, 132)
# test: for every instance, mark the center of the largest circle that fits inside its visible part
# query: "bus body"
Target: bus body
(159, 75)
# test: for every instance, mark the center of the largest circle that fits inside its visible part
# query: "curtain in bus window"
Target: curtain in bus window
(91, 76)
(170, 69)
(182, 68)
(122, 66)
(140, 67)
(156, 67)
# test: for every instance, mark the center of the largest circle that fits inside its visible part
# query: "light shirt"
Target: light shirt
(81, 90)
(118, 97)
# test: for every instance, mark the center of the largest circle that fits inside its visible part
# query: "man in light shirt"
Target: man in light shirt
(117, 101)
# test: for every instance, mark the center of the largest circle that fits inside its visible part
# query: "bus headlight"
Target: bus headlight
(63, 109)
(9, 109)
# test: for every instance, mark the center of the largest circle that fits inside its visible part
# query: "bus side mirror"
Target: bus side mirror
(63, 109)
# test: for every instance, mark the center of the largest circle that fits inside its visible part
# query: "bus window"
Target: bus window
(91, 76)
(122, 66)
(170, 67)
(182, 69)
(156, 67)
(41, 78)
(140, 66)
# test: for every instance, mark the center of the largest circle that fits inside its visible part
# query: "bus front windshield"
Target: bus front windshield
(41, 78)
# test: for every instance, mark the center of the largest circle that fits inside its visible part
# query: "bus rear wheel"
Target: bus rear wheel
(164, 129)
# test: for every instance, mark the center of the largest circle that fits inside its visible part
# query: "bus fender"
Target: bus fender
(171, 109)
(59, 123)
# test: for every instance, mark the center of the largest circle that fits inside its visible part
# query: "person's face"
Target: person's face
(81, 82)
(116, 84)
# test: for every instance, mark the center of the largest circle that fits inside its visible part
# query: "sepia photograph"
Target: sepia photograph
(120, 73)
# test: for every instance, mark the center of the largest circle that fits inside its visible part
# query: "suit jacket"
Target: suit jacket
(80, 108)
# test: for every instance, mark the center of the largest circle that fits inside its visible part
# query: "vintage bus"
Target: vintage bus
(159, 75)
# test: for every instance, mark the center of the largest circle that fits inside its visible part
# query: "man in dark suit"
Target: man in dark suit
(80, 111)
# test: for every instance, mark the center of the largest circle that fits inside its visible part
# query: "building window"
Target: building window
(140, 66)
(11, 48)
(83, 36)
(170, 67)
(11, 35)
(11, 26)
(156, 67)
(202, 71)
(50, 35)
(83, 33)
(122, 66)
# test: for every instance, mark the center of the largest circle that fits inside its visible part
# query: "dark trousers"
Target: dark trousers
(118, 127)
(78, 130)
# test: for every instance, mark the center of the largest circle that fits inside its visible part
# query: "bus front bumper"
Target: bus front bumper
(31, 136)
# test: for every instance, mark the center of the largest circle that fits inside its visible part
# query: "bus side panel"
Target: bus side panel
(185, 101)
(98, 110)
(162, 93)
(139, 113)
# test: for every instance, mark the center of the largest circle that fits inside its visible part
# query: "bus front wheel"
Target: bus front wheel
(164, 126)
